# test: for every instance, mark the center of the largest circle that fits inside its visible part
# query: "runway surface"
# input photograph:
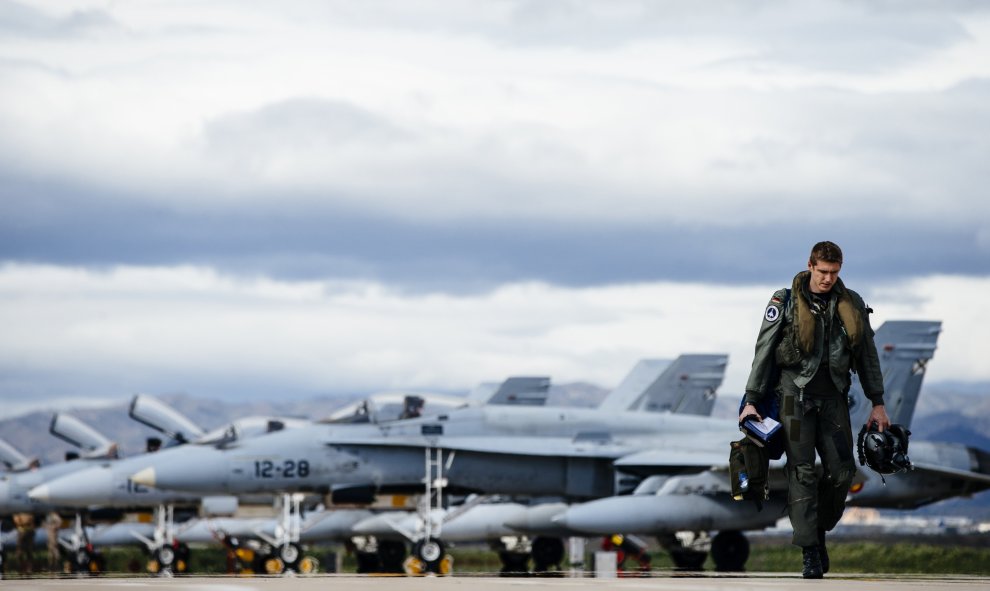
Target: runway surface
(771, 582)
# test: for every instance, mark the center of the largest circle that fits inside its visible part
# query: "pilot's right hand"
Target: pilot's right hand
(748, 411)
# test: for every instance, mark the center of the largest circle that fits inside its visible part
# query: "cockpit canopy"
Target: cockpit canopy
(246, 428)
(393, 406)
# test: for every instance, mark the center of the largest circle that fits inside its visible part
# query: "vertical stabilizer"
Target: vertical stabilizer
(631, 389)
(685, 386)
(905, 347)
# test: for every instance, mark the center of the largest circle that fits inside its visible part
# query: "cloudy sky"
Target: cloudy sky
(232, 198)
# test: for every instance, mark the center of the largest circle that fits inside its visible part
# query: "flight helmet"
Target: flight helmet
(885, 452)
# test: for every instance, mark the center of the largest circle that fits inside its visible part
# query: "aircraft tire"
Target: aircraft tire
(431, 553)
(547, 553)
(165, 556)
(730, 551)
(289, 554)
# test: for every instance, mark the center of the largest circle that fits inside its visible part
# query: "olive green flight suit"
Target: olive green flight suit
(813, 422)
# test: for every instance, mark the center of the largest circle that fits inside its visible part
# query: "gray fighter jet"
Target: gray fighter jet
(573, 443)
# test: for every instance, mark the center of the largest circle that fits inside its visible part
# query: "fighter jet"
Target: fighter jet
(700, 503)
(330, 455)
(541, 451)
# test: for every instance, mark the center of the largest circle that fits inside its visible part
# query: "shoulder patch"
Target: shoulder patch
(772, 314)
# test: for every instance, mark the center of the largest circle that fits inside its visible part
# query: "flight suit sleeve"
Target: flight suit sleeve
(867, 359)
(764, 359)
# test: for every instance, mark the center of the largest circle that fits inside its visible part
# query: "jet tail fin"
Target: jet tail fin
(94, 445)
(905, 347)
(13, 459)
(685, 386)
(631, 389)
(162, 417)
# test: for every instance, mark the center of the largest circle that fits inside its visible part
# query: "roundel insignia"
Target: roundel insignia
(772, 314)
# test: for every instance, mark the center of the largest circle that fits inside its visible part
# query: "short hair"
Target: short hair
(826, 251)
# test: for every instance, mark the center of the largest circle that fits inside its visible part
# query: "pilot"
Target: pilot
(812, 336)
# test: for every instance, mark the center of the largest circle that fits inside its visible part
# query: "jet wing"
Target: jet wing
(935, 470)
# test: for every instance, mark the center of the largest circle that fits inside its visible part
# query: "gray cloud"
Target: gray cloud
(297, 127)
(21, 20)
(320, 241)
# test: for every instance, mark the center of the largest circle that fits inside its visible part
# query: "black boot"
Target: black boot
(822, 551)
(812, 563)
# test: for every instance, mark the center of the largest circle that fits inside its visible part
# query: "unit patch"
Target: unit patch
(772, 314)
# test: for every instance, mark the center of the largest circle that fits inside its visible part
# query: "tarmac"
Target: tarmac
(660, 582)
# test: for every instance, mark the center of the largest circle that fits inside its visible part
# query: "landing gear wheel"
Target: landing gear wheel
(730, 551)
(289, 554)
(547, 553)
(430, 552)
(164, 561)
(165, 556)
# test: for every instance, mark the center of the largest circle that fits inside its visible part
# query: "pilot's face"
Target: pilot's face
(823, 276)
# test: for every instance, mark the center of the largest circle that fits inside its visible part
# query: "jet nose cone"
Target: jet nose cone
(39, 493)
(191, 468)
(86, 487)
